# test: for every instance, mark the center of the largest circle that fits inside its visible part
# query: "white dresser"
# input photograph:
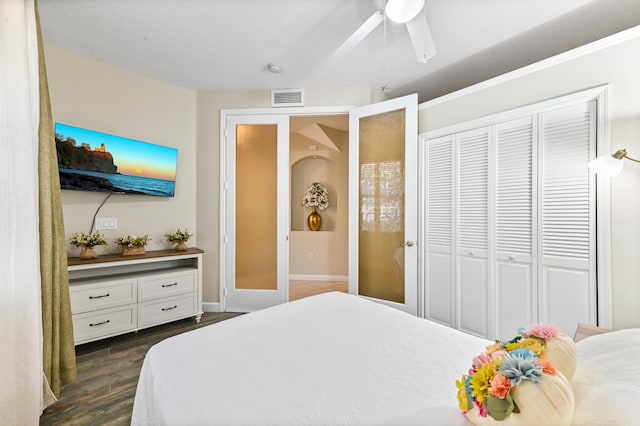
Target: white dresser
(116, 294)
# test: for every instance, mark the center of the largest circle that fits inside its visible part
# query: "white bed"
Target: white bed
(332, 359)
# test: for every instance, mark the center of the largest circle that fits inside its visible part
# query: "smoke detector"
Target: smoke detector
(274, 68)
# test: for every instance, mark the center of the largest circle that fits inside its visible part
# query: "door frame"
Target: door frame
(222, 238)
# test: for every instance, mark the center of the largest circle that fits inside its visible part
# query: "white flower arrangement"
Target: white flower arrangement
(316, 197)
(133, 241)
(84, 239)
(179, 236)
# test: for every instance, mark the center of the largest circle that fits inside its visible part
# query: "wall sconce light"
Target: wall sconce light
(610, 164)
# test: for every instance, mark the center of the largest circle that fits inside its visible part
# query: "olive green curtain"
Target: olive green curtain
(59, 357)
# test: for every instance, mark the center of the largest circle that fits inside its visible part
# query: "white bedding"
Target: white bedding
(606, 385)
(331, 359)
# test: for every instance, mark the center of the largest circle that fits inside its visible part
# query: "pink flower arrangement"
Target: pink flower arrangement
(543, 331)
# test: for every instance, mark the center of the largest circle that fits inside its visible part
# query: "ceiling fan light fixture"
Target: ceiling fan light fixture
(402, 11)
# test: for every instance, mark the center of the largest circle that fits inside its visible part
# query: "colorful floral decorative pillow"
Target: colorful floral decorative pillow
(515, 382)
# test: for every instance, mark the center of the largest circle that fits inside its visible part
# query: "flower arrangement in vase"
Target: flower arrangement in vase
(88, 241)
(316, 197)
(179, 238)
(133, 244)
(517, 378)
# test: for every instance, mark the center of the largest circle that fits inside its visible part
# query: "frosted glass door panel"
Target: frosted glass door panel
(381, 206)
(256, 207)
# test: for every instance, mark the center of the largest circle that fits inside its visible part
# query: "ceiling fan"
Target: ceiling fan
(412, 13)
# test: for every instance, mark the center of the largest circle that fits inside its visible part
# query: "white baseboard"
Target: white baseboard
(211, 307)
(319, 277)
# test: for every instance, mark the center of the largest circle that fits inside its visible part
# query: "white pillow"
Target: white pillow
(606, 384)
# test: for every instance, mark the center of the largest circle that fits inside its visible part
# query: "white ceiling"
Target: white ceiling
(227, 44)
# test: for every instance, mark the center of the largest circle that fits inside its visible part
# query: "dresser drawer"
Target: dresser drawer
(99, 294)
(107, 322)
(167, 309)
(167, 284)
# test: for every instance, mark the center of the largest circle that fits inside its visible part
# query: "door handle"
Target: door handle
(408, 243)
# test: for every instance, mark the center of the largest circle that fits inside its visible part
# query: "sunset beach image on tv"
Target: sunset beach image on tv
(94, 161)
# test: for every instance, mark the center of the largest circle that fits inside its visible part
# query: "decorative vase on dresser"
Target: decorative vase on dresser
(314, 220)
(132, 251)
(88, 253)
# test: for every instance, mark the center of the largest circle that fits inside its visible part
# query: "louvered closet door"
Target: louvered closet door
(472, 226)
(515, 243)
(439, 269)
(567, 209)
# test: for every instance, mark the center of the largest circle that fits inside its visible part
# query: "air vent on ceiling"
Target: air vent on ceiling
(287, 97)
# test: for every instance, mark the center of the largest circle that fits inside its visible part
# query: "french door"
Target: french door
(383, 206)
(255, 196)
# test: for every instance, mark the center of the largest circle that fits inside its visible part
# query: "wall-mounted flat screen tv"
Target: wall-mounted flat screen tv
(94, 161)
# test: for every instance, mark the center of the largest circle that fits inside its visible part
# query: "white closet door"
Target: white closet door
(439, 265)
(567, 210)
(515, 240)
(472, 224)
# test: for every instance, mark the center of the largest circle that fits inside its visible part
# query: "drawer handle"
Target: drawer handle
(169, 285)
(168, 309)
(99, 323)
(98, 297)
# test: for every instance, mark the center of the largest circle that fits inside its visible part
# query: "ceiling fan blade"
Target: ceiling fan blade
(359, 34)
(421, 36)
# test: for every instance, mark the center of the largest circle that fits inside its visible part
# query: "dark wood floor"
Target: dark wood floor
(108, 374)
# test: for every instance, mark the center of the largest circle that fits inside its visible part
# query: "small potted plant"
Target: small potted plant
(133, 244)
(179, 238)
(316, 197)
(88, 241)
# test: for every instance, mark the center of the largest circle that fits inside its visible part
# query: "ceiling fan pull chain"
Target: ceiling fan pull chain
(384, 86)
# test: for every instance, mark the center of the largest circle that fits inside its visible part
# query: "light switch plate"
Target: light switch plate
(106, 223)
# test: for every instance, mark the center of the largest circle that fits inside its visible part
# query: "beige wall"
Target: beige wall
(102, 97)
(618, 66)
(106, 98)
(208, 162)
(109, 99)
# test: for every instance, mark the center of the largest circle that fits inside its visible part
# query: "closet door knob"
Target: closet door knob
(409, 243)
